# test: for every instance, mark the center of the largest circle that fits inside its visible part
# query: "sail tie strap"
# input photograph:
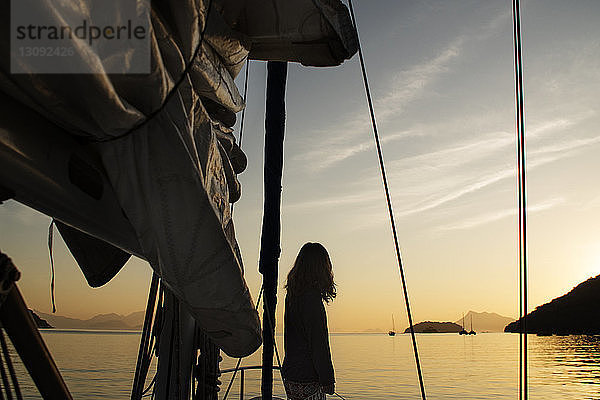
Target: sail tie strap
(389, 202)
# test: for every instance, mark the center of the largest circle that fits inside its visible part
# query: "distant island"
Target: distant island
(575, 313)
(482, 322)
(435, 327)
(485, 321)
(112, 321)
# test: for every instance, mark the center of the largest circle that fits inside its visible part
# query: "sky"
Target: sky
(441, 74)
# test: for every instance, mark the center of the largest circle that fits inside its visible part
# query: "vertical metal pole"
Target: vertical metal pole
(522, 189)
(242, 384)
(141, 369)
(271, 224)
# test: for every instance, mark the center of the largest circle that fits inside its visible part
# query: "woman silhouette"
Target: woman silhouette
(307, 367)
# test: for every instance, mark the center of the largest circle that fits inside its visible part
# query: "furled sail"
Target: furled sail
(156, 148)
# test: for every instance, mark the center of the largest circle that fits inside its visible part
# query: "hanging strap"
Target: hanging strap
(50, 245)
(389, 202)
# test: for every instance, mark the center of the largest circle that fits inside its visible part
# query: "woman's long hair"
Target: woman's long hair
(312, 269)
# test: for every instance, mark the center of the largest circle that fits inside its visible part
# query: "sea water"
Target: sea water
(100, 365)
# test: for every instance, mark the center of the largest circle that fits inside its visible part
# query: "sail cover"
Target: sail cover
(163, 133)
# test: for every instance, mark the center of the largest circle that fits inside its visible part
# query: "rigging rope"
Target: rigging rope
(389, 202)
(243, 115)
(522, 193)
(245, 96)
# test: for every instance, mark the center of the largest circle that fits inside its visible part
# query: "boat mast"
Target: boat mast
(271, 225)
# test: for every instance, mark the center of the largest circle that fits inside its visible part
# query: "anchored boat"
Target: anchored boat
(393, 331)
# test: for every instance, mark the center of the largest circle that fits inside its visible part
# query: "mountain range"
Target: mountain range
(112, 321)
(482, 322)
(485, 321)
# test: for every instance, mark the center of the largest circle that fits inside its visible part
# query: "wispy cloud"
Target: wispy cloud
(480, 147)
(324, 156)
(483, 146)
(470, 185)
(406, 86)
(565, 147)
(454, 158)
(428, 181)
(15, 212)
(353, 199)
(459, 192)
(500, 214)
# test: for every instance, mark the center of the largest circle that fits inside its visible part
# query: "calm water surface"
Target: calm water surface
(100, 365)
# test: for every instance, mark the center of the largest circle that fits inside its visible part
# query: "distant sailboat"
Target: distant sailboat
(472, 332)
(393, 331)
(463, 331)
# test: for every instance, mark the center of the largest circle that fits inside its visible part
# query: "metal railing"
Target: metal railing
(242, 371)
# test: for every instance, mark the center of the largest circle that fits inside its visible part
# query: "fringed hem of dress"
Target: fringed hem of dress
(303, 390)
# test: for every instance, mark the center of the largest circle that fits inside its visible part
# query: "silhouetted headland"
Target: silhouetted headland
(435, 327)
(41, 323)
(575, 313)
